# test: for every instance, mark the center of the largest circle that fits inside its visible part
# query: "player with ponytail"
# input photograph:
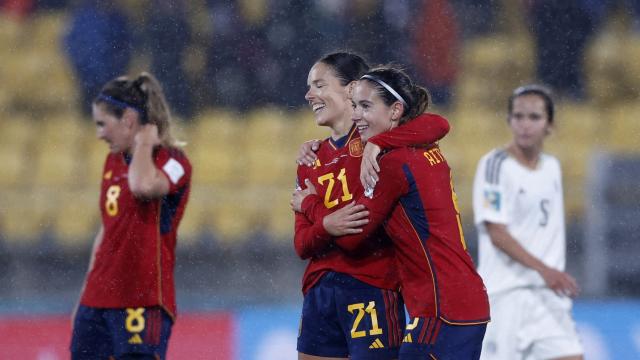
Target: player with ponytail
(415, 202)
(127, 306)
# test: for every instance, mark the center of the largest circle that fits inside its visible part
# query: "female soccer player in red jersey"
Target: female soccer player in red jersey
(128, 306)
(351, 304)
(415, 201)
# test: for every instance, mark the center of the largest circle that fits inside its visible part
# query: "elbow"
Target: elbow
(141, 189)
(301, 250)
(495, 241)
(444, 126)
(303, 255)
(496, 235)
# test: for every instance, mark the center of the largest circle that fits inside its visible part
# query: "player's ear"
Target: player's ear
(350, 88)
(396, 111)
(130, 117)
(548, 130)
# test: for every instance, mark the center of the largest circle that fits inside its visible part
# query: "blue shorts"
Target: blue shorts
(101, 333)
(431, 338)
(344, 317)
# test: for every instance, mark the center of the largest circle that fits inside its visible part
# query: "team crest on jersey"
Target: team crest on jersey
(492, 200)
(355, 148)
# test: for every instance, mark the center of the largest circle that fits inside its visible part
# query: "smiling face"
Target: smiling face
(328, 99)
(371, 115)
(529, 122)
(117, 133)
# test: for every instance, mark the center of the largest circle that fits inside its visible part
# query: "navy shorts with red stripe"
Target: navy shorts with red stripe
(345, 317)
(104, 333)
(433, 338)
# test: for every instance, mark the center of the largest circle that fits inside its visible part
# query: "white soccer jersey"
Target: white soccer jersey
(530, 203)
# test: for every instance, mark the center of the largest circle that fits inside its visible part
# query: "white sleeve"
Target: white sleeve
(491, 196)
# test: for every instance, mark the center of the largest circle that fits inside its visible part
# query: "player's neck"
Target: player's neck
(527, 157)
(340, 129)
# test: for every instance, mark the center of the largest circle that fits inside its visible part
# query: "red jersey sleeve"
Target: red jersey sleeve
(313, 208)
(391, 186)
(386, 194)
(424, 129)
(310, 238)
(175, 166)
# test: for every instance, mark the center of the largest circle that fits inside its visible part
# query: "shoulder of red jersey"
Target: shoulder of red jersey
(112, 159)
(391, 159)
(173, 162)
(397, 157)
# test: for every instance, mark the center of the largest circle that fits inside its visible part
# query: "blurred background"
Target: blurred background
(235, 75)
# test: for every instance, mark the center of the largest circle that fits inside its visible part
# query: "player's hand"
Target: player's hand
(348, 220)
(560, 282)
(369, 167)
(307, 153)
(298, 196)
(147, 135)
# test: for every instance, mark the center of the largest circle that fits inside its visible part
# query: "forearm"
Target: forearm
(351, 243)
(314, 209)
(310, 239)
(317, 213)
(501, 239)
(146, 181)
(142, 170)
(379, 209)
(424, 129)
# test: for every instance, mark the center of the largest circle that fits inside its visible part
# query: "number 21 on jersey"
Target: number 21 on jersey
(360, 311)
(329, 179)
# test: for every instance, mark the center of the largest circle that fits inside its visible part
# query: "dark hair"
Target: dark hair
(347, 66)
(534, 89)
(415, 98)
(143, 94)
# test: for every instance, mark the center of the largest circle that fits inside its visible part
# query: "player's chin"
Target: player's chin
(526, 143)
(322, 120)
(365, 134)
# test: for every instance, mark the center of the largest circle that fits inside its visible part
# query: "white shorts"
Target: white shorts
(530, 324)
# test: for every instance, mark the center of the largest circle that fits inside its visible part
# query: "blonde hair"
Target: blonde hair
(143, 94)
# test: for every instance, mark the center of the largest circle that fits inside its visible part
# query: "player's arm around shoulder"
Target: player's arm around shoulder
(424, 129)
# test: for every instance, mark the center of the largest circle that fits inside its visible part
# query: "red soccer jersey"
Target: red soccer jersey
(428, 125)
(134, 264)
(414, 198)
(336, 176)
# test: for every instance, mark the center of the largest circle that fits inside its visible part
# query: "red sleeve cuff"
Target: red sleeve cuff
(309, 206)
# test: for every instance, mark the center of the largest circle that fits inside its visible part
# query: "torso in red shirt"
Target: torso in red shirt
(414, 198)
(335, 176)
(134, 264)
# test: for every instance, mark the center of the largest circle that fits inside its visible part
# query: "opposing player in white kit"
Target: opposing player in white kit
(519, 213)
